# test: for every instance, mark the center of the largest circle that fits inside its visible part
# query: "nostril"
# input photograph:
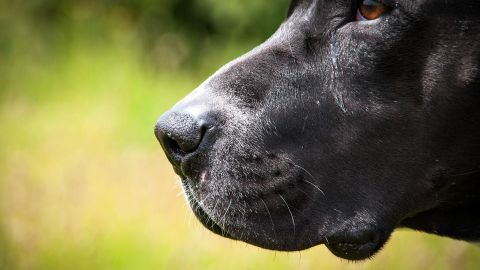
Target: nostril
(173, 145)
(180, 134)
(203, 130)
(184, 143)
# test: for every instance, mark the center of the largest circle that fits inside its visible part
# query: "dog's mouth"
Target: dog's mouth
(352, 243)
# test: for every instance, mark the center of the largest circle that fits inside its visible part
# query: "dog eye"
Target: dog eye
(371, 10)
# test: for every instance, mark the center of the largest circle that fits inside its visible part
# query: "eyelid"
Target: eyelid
(359, 17)
(391, 3)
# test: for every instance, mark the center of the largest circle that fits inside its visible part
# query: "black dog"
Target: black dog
(353, 119)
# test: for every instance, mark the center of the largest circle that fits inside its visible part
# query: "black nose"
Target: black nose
(180, 134)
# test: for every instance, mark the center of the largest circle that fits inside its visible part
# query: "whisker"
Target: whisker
(178, 185)
(307, 172)
(271, 219)
(211, 219)
(215, 207)
(179, 194)
(244, 217)
(201, 202)
(224, 217)
(186, 211)
(301, 190)
(315, 186)
(290, 211)
(464, 173)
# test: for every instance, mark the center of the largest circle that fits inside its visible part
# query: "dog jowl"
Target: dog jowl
(353, 119)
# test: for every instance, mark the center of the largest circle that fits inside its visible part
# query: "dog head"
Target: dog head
(351, 120)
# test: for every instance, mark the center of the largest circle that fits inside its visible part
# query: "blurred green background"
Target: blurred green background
(84, 184)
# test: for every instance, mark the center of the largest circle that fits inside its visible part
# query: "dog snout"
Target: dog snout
(181, 134)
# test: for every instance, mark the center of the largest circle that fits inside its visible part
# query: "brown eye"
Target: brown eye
(371, 10)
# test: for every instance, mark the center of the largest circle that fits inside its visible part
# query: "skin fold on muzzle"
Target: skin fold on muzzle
(339, 129)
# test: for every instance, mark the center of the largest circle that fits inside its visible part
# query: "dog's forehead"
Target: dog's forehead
(443, 8)
(424, 6)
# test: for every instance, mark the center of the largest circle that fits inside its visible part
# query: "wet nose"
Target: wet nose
(180, 134)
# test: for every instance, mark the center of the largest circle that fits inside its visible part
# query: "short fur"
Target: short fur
(337, 132)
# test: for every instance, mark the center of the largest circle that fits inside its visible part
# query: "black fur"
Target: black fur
(337, 132)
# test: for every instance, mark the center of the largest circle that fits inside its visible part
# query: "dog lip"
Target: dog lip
(193, 167)
(357, 246)
(353, 251)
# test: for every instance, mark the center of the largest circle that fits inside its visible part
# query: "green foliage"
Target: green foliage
(181, 27)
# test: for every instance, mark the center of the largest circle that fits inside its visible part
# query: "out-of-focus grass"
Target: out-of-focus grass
(84, 184)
